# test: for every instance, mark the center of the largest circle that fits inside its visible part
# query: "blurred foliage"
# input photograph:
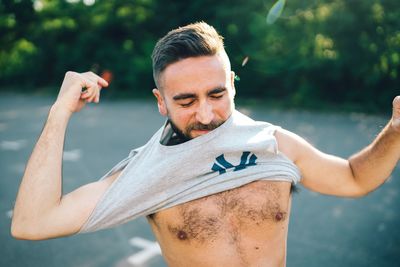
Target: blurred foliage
(335, 52)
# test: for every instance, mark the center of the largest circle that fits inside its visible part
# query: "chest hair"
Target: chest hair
(229, 212)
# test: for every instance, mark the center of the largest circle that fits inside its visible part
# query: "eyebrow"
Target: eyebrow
(216, 90)
(191, 95)
(184, 96)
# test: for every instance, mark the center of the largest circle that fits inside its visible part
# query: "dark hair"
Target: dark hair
(193, 40)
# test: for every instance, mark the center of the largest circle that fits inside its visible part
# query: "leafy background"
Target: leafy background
(343, 54)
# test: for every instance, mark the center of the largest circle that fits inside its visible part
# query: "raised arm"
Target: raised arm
(357, 176)
(40, 210)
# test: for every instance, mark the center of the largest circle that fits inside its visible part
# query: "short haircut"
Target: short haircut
(193, 40)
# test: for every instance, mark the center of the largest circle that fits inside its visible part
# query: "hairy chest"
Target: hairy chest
(261, 205)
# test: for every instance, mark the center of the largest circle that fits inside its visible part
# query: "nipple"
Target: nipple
(182, 235)
(279, 216)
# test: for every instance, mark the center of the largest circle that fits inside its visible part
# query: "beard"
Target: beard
(186, 133)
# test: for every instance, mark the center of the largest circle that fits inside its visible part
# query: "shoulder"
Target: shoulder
(241, 120)
(291, 145)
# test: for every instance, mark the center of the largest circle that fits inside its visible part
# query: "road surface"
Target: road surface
(324, 231)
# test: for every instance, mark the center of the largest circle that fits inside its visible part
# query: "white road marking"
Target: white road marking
(72, 155)
(149, 250)
(12, 145)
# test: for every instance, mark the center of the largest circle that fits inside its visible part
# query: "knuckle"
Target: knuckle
(69, 73)
(72, 75)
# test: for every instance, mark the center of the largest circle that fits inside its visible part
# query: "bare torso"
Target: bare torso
(245, 226)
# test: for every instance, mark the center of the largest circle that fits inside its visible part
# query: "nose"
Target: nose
(205, 114)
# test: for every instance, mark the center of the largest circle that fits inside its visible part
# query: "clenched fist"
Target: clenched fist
(78, 89)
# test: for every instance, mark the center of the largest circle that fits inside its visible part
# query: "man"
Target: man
(208, 209)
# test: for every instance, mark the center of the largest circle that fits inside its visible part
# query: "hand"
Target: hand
(72, 98)
(396, 114)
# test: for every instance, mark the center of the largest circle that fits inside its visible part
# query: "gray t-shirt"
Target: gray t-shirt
(155, 177)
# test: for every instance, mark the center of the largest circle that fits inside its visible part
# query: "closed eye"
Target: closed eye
(187, 104)
(217, 93)
(185, 99)
(217, 96)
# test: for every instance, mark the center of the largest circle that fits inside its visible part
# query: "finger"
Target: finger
(96, 79)
(89, 100)
(92, 98)
(90, 90)
(91, 76)
(97, 99)
(102, 82)
(95, 95)
(87, 93)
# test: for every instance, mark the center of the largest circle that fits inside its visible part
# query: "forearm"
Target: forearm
(41, 187)
(374, 164)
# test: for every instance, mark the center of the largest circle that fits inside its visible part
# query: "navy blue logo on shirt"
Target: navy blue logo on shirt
(245, 160)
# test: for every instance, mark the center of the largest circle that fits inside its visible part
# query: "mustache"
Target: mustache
(204, 127)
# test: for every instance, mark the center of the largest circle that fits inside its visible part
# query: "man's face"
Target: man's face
(197, 94)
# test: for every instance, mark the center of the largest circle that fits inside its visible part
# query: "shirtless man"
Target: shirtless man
(243, 226)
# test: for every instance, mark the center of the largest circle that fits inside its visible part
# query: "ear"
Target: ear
(162, 108)
(233, 83)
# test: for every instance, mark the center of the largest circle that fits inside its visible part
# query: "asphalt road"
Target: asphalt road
(324, 231)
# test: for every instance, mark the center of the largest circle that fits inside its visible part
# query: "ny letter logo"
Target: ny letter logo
(222, 164)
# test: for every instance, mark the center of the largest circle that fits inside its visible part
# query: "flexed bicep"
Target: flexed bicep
(321, 172)
(74, 209)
